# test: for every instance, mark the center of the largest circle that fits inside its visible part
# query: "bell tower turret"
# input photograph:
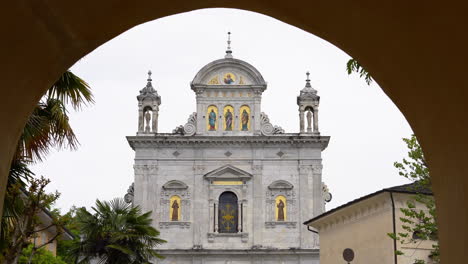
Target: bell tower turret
(308, 102)
(148, 109)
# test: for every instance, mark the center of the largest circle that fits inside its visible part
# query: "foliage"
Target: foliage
(353, 66)
(64, 246)
(26, 224)
(41, 256)
(418, 224)
(116, 233)
(47, 127)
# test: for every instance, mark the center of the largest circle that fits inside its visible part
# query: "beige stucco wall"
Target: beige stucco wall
(44, 236)
(363, 227)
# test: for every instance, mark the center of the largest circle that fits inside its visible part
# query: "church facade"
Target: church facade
(228, 186)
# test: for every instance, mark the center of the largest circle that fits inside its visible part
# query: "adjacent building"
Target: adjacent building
(361, 226)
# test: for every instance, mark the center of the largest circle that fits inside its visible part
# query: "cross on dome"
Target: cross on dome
(149, 76)
(228, 50)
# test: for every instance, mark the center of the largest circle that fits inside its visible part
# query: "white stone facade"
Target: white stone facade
(254, 160)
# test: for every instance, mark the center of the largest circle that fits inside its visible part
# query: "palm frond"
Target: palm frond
(70, 88)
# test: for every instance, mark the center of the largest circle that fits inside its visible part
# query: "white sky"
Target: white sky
(365, 126)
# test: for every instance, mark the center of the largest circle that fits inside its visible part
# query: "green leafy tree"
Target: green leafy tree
(116, 233)
(26, 225)
(64, 246)
(40, 256)
(418, 224)
(353, 66)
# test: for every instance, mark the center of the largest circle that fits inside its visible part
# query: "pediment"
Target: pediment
(228, 172)
(175, 185)
(280, 185)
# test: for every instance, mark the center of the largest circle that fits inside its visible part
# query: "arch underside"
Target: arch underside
(417, 55)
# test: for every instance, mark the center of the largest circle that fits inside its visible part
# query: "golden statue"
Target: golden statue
(280, 206)
(175, 211)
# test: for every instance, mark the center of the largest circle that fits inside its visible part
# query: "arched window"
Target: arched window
(244, 116)
(280, 208)
(228, 213)
(175, 208)
(212, 118)
(228, 118)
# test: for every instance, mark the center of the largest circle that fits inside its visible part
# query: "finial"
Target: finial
(149, 76)
(228, 50)
(308, 80)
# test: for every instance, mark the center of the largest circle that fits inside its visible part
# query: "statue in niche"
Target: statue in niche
(175, 211)
(212, 120)
(245, 120)
(228, 120)
(280, 207)
(147, 119)
(309, 120)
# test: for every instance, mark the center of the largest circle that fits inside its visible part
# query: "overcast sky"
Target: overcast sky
(365, 126)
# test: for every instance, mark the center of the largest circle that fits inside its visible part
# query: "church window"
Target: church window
(228, 213)
(175, 208)
(280, 212)
(244, 113)
(212, 118)
(228, 118)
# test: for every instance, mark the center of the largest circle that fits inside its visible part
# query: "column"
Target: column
(141, 122)
(155, 120)
(304, 204)
(211, 220)
(216, 215)
(239, 217)
(198, 214)
(301, 121)
(316, 129)
(257, 210)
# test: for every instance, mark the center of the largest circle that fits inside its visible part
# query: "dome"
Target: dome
(228, 71)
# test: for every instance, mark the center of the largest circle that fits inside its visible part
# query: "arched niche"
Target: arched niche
(212, 118)
(244, 118)
(228, 118)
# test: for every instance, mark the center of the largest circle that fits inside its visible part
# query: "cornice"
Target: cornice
(161, 140)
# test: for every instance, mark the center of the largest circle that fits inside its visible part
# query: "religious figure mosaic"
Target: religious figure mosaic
(228, 118)
(245, 118)
(212, 117)
(229, 78)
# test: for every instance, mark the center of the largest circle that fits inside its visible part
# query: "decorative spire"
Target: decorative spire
(308, 80)
(228, 50)
(149, 86)
(149, 76)
(308, 90)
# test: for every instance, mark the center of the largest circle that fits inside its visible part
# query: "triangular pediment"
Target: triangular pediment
(228, 172)
(280, 185)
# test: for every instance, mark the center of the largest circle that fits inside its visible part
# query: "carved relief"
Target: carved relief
(266, 128)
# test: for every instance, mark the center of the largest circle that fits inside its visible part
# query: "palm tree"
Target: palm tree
(47, 127)
(116, 233)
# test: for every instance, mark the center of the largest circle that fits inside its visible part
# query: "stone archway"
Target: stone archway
(417, 53)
